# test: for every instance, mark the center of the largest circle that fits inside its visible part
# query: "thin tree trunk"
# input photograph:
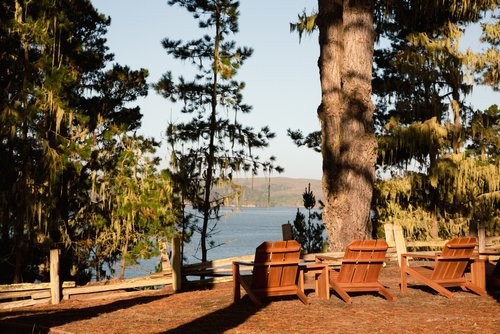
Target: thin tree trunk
(124, 254)
(269, 191)
(23, 192)
(349, 146)
(211, 147)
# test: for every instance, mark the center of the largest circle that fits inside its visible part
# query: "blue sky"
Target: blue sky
(282, 78)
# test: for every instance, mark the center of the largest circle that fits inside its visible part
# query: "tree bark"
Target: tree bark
(211, 146)
(349, 147)
(124, 255)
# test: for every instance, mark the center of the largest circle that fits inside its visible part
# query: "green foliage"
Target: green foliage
(207, 150)
(64, 112)
(485, 65)
(483, 131)
(438, 157)
(309, 233)
(43, 129)
(441, 154)
(305, 23)
(138, 200)
(311, 140)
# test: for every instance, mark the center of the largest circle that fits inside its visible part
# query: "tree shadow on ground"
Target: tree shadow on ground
(221, 320)
(493, 280)
(40, 322)
(492, 291)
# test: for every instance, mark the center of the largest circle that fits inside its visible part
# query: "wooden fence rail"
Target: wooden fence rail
(398, 245)
(27, 294)
(18, 295)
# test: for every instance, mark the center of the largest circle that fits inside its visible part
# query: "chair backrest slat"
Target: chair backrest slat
(454, 258)
(282, 258)
(363, 260)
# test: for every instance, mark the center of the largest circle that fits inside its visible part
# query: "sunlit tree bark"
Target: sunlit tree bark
(346, 38)
(346, 112)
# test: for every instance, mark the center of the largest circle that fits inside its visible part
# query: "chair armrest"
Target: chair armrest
(276, 264)
(460, 258)
(243, 263)
(265, 264)
(473, 244)
(419, 256)
(368, 248)
(364, 261)
(321, 258)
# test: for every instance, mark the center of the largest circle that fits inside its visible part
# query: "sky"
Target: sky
(281, 77)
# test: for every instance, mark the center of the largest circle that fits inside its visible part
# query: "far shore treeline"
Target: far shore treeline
(284, 192)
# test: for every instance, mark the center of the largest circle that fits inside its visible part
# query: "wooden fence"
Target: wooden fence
(398, 245)
(18, 295)
(27, 294)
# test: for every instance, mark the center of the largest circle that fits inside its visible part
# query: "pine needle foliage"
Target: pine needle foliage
(439, 155)
(64, 111)
(309, 231)
(213, 145)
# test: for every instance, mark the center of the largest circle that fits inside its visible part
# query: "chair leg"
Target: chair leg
(254, 298)
(442, 290)
(302, 296)
(404, 277)
(250, 293)
(473, 287)
(236, 283)
(342, 293)
(384, 292)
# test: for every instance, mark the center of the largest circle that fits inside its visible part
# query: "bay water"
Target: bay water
(239, 232)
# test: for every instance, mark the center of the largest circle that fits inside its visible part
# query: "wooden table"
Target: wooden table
(320, 272)
(478, 272)
(478, 269)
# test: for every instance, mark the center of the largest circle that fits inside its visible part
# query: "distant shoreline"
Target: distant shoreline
(284, 192)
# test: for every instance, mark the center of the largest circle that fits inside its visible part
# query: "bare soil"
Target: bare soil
(211, 310)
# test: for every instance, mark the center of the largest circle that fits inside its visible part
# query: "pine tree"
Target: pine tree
(213, 145)
(309, 233)
(424, 122)
(61, 109)
(348, 153)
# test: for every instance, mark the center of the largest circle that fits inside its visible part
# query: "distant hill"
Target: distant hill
(285, 191)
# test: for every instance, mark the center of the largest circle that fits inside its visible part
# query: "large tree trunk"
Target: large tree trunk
(349, 147)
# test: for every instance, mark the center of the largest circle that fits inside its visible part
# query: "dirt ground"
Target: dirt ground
(211, 310)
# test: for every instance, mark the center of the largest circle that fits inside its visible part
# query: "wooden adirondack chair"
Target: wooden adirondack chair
(360, 269)
(448, 269)
(275, 272)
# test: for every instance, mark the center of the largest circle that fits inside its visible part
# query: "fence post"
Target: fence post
(55, 287)
(481, 234)
(176, 264)
(389, 235)
(165, 262)
(286, 230)
(399, 241)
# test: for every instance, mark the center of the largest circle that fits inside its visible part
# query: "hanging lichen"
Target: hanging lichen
(439, 155)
